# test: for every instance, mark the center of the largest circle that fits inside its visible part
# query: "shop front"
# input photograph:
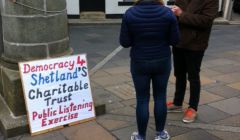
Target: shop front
(115, 8)
(111, 8)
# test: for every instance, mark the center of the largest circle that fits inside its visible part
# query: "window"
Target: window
(126, 2)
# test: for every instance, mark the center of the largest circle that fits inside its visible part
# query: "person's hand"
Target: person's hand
(177, 10)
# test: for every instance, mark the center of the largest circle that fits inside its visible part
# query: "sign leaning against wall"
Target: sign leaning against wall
(57, 92)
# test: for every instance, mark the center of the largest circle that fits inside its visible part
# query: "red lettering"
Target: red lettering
(50, 66)
(54, 112)
(50, 122)
(66, 64)
(44, 122)
(34, 115)
(76, 115)
(33, 69)
(26, 68)
(80, 61)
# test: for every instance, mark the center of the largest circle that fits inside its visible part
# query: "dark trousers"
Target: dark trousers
(143, 73)
(187, 64)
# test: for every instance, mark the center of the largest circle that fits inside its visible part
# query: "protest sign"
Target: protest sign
(57, 92)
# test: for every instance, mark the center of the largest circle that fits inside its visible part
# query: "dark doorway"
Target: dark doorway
(92, 5)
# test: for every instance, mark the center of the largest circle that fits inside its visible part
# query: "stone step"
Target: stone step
(92, 15)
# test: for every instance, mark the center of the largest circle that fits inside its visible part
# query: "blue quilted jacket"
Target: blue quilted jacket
(149, 29)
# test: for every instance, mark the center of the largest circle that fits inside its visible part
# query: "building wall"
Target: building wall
(112, 7)
(73, 7)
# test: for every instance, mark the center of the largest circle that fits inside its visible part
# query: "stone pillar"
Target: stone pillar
(1, 48)
(1, 37)
(32, 29)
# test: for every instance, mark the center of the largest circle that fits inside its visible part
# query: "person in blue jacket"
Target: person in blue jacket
(150, 28)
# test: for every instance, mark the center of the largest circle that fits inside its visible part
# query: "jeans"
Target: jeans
(143, 73)
(187, 64)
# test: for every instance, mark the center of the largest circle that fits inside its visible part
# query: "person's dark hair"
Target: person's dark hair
(160, 1)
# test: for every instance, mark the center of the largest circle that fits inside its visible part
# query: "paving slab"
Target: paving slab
(209, 114)
(208, 57)
(170, 90)
(113, 124)
(235, 86)
(234, 58)
(129, 102)
(172, 130)
(178, 117)
(125, 133)
(113, 106)
(123, 91)
(224, 91)
(124, 111)
(227, 68)
(205, 80)
(230, 121)
(122, 62)
(72, 133)
(196, 135)
(172, 78)
(48, 136)
(205, 98)
(117, 70)
(110, 65)
(230, 106)
(218, 62)
(87, 131)
(225, 135)
(175, 131)
(94, 85)
(235, 52)
(117, 117)
(228, 78)
(112, 80)
(100, 73)
(207, 72)
(104, 96)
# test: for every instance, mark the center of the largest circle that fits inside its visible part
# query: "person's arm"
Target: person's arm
(203, 19)
(125, 37)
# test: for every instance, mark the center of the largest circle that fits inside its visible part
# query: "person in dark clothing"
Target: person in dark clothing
(149, 28)
(195, 19)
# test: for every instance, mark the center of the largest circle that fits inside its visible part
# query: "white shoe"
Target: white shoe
(136, 136)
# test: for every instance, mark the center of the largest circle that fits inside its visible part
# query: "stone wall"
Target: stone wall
(32, 29)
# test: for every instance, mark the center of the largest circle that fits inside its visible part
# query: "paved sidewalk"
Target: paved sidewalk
(219, 110)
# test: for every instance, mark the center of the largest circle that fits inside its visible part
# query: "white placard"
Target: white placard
(57, 92)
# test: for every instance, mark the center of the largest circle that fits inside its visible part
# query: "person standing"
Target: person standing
(195, 19)
(149, 28)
